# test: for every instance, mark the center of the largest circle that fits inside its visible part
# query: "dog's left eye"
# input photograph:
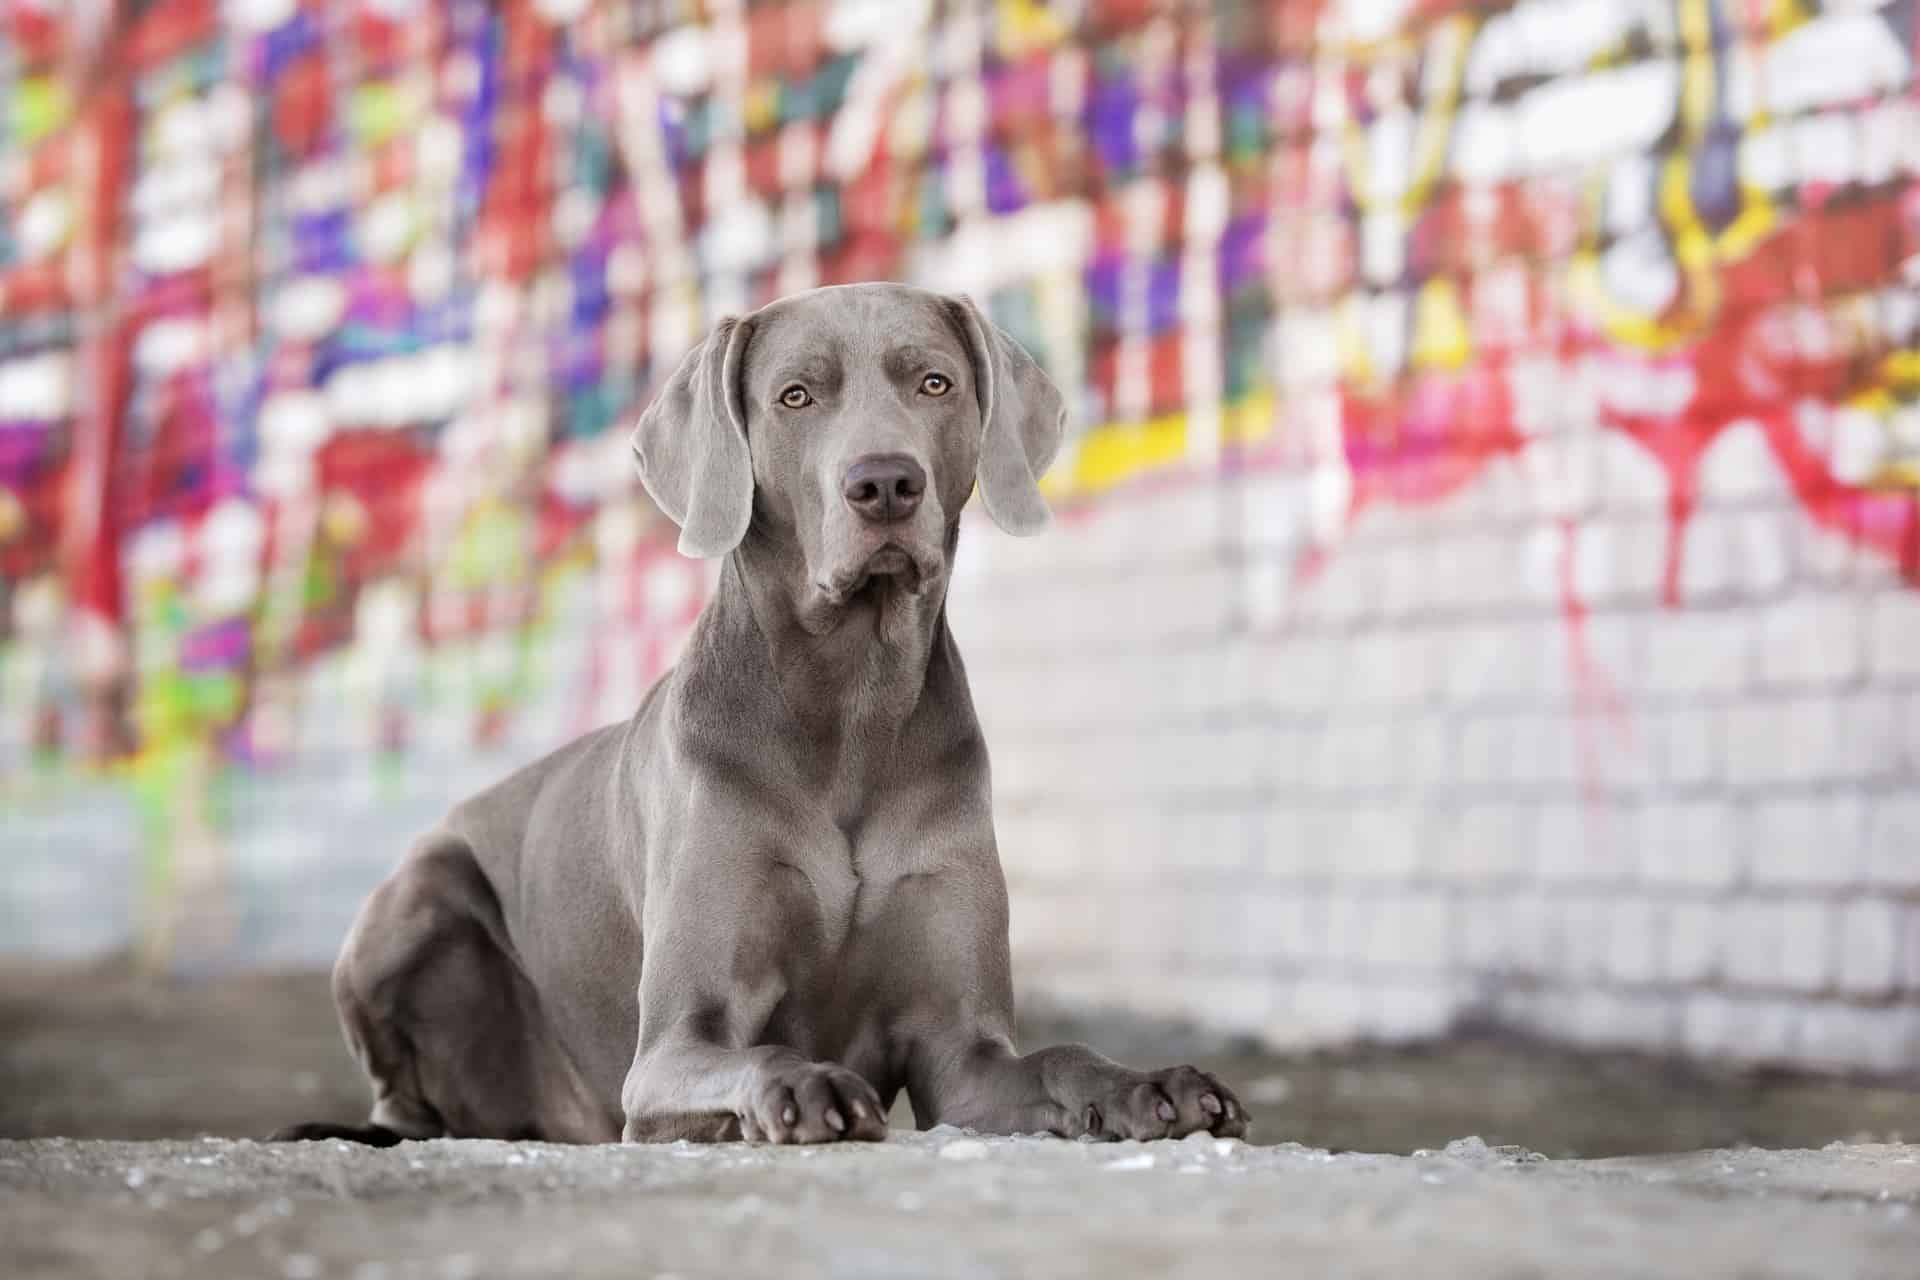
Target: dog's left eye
(935, 384)
(795, 398)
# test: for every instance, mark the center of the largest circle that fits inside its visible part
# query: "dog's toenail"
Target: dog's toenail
(788, 1115)
(1165, 1111)
(1210, 1104)
(836, 1121)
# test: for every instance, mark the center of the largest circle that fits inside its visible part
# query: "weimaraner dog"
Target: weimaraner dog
(771, 900)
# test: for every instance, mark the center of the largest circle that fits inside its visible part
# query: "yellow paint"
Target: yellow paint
(1118, 452)
(1115, 453)
(1441, 338)
(1025, 26)
(1350, 339)
(761, 110)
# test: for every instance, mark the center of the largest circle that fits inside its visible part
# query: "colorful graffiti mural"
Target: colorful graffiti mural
(320, 323)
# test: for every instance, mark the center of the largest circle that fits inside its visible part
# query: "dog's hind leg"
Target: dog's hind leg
(444, 1022)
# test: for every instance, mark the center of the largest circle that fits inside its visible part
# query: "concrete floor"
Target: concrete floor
(947, 1205)
(99, 1053)
(89, 1058)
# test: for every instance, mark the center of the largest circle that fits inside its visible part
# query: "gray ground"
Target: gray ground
(942, 1204)
(99, 1054)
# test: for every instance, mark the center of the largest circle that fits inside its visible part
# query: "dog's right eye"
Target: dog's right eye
(795, 398)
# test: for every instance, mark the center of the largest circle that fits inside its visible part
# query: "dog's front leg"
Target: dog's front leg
(706, 994)
(962, 1066)
(1072, 1091)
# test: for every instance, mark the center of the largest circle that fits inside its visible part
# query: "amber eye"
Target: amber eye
(935, 384)
(795, 398)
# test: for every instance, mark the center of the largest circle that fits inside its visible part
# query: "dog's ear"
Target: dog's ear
(1023, 414)
(691, 446)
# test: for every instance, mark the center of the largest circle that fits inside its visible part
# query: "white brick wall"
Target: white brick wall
(1421, 784)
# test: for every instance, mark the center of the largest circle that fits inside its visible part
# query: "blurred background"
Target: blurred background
(1485, 612)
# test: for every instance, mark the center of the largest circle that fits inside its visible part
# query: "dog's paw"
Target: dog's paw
(813, 1102)
(1164, 1104)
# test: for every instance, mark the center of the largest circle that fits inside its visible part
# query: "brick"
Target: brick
(1044, 926)
(1636, 939)
(1807, 945)
(1482, 926)
(1693, 843)
(1893, 842)
(1411, 931)
(1893, 635)
(1297, 844)
(1693, 942)
(1744, 1029)
(1774, 944)
(1844, 1037)
(1869, 735)
(1700, 652)
(1271, 508)
(1687, 742)
(1763, 552)
(1621, 559)
(1492, 842)
(1605, 1019)
(1479, 570)
(1377, 843)
(1829, 559)
(1207, 758)
(1802, 841)
(1042, 846)
(1388, 666)
(1290, 921)
(1910, 953)
(1910, 751)
(1266, 588)
(1616, 646)
(1581, 842)
(1792, 739)
(1346, 937)
(1359, 753)
(1504, 661)
(1318, 1012)
(1544, 750)
(1738, 470)
(1215, 678)
(1346, 587)
(1631, 479)
(1581, 950)
(1871, 944)
(1539, 941)
(1484, 754)
(1812, 639)
(1301, 672)
(1286, 759)
(1404, 1013)
(1431, 751)
(1735, 555)
(1405, 582)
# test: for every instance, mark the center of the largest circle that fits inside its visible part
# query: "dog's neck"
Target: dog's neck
(850, 675)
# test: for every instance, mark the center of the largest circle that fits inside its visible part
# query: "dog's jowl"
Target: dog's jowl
(771, 900)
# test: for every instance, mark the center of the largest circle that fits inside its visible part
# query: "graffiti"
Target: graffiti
(320, 323)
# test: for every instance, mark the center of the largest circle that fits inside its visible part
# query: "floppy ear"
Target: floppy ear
(691, 446)
(1024, 416)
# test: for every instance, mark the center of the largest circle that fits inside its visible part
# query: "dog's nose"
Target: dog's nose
(884, 486)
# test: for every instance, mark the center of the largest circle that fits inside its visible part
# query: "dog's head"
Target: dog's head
(853, 421)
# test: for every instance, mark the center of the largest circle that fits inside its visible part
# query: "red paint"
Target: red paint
(94, 523)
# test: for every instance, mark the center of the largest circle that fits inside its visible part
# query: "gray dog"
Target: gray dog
(771, 900)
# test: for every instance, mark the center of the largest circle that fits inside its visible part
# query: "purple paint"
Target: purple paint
(1005, 193)
(219, 646)
(1243, 251)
